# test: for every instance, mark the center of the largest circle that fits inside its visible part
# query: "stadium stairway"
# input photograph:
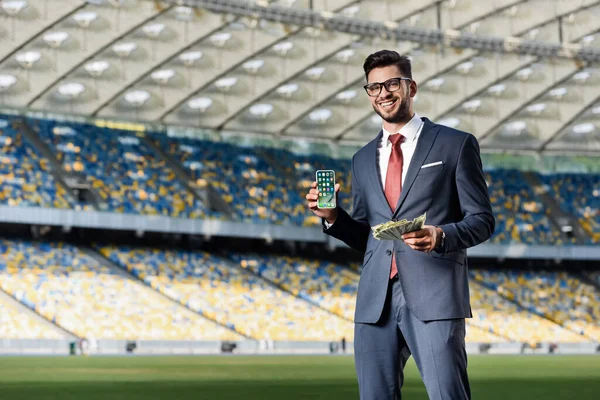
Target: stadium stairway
(233, 296)
(479, 331)
(32, 314)
(206, 195)
(41, 146)
(27, 313)
(71, 182)
(278, 286)
(45, 151)
(557, 216)
(101, 260)
(589, 278)
(272, 162)
(98, 256)
(495, 314)
(533, 311)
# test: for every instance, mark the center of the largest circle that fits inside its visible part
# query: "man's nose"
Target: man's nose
(384, 93)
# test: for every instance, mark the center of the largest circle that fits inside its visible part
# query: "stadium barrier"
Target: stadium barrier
(39, 216)
(182, 347)
(35, 346)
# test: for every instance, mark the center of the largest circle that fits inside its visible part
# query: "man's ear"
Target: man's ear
(413, 89)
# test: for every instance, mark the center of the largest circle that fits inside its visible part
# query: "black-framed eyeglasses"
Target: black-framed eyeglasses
(391, 85)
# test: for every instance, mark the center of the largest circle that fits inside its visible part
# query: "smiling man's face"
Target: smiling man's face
(394, 107)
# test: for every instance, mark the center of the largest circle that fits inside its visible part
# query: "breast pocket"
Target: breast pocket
(428, 178)
(426, 182)
(436, 169)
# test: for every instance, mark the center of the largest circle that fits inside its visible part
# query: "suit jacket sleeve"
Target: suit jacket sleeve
(352, 229)
(478, 221)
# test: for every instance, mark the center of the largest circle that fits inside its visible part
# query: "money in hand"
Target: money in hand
(393, 230)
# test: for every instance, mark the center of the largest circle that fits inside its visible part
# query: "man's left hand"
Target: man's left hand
(426, 239)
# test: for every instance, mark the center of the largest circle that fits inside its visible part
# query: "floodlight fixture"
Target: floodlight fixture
(7, 81)
(225, 84)
(346, 96)
(71, 90)
(162, 76)
(321, 115)
(451, 122)
(287, 90)
(536, 108)
(282, 48)
(584, 129)
(85, 18)
(200, 103)
(190, 57)
(261, 110)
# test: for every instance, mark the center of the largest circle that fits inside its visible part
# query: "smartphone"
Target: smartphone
(326, 186)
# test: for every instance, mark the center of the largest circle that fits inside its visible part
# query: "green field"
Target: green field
(278, 377)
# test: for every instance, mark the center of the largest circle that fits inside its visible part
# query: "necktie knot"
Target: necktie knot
(395, 139)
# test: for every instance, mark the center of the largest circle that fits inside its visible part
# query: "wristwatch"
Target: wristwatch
(442, 242)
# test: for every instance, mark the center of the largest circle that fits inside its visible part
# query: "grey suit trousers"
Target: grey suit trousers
(382, 349)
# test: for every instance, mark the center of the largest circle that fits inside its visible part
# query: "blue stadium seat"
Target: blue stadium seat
(127, 174)
(230, 295)
(578, 195)
(71, 289)
(251, 186)
(303, 169)
(25, 175)
(520, 215)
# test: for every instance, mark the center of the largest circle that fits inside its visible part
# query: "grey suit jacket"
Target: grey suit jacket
(454, 195)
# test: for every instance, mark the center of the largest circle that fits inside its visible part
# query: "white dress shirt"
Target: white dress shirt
(411, 132)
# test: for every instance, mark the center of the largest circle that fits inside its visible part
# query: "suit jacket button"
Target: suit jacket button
(388, 252)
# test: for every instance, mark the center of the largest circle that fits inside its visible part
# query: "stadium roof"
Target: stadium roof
(520, 75)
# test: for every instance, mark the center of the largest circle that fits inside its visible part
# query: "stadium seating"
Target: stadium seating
(128, 176)
(233, 297)
(520, 216)
(594, 276)
(557, 296)
(331, 286)
(302, 169)
(255, 182)
(579, 195)
(245, 181)
(475, 334)
(496, 314)
(66, 286)
(14, 324)
(24, 174)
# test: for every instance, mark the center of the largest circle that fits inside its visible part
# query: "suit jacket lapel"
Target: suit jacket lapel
(374, 173)
(424, 144)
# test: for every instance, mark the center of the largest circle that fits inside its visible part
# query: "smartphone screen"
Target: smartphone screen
(326, 187)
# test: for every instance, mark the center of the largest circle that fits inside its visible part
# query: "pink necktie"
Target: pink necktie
(393, 183)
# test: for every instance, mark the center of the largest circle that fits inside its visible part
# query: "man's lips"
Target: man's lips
(387, 103)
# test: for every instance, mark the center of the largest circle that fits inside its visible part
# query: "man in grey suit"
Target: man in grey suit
(413, 295)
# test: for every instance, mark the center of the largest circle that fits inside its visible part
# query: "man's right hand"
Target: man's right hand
(329, 214)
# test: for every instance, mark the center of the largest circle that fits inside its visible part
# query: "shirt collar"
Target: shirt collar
(409, 131)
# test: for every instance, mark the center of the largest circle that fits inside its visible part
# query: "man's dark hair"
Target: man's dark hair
(385, 58)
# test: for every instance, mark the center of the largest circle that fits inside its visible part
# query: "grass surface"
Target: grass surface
(278, 377)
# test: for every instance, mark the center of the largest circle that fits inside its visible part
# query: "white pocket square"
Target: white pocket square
(433, 164)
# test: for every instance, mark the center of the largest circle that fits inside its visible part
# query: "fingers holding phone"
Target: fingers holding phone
(322, 197)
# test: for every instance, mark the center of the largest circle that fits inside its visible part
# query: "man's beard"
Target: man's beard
(402, 114)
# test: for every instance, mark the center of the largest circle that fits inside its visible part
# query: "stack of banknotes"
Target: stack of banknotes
(393, 230)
